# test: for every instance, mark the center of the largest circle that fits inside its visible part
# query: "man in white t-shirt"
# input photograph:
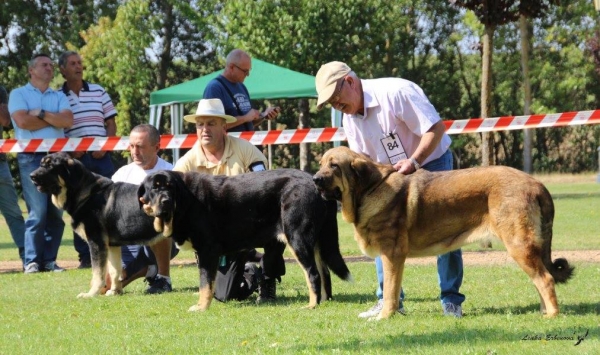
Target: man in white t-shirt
(153, 262)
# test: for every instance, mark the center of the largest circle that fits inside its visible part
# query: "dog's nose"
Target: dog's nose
(317, 180)
(33, 176)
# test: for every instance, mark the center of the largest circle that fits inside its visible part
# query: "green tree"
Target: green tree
(150, 45)
(376, 38)
(491, 13)
(115, 56)
(29, 27)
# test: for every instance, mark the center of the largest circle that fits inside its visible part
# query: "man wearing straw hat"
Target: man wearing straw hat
(216, 153)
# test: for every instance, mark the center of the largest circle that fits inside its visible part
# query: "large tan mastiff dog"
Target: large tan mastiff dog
(431, 213)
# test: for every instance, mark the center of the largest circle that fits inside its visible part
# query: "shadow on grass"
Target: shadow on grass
(484, 336)
(358, 298)
(568, 309)
(576, 195)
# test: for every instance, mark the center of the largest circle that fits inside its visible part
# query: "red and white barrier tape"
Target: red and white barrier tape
(309, 135)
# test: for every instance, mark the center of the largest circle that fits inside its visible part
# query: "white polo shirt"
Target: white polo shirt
(90, 109)
(392, 105)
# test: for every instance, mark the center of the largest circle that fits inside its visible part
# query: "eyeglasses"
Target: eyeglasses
(245, 71)
(335, 98)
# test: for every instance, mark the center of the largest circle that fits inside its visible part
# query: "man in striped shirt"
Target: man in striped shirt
(93, 116)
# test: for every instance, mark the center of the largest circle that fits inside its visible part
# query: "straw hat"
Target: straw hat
(210, 108)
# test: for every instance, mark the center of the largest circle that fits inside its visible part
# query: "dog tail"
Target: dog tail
(329, 247)
(560, 269)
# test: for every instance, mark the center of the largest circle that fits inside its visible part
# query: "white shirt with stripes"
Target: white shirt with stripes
(90, 109)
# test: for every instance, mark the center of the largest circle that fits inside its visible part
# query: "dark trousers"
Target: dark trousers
(233, 280)
(104, 167)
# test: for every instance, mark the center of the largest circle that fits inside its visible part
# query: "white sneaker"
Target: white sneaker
(451, 309)
(374, 311)
(32, 268)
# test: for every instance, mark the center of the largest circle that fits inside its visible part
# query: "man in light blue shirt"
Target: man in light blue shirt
(37, 111)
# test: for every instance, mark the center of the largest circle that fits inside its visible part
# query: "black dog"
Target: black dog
(104, 213)
(219, 215)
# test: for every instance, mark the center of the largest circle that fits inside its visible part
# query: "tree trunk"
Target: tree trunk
(303, 122)
(487, 139)
(525, 48)
(165, 55)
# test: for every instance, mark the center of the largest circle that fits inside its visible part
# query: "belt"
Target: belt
(2, 156)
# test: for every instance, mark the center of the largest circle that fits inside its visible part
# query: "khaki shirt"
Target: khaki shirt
(238, 156)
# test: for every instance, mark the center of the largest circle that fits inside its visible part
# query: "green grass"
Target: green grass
(40, 313)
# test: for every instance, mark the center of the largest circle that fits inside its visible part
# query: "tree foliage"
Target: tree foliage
(135, 47)
(29, 27)
(115, 56)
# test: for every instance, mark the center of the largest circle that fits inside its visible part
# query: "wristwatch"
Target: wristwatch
(41, 114)
(415, 163)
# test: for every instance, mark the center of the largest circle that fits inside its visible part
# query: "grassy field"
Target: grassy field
(40, 313)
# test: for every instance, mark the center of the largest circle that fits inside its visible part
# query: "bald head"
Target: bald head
(237, 67)
(236, 56)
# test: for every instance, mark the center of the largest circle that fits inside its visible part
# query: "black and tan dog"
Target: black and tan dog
(218, 215)
(104, 213)
(431, 213)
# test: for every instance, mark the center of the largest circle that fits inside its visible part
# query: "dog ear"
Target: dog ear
(366, 171)
(142, 190)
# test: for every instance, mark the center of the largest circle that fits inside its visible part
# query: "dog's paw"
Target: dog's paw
(114, 292)
(86, 295)
(309, 306)
(196, 308)
(550, 315)
(381, 316)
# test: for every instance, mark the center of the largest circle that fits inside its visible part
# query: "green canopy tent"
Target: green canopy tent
(266, 81)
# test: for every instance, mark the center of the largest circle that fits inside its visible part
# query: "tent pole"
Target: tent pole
(269, 147)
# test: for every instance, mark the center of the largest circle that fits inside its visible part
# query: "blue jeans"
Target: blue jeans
(104, 167)
(136, 257)
(44, 227)
(9, 206)
(449, 265)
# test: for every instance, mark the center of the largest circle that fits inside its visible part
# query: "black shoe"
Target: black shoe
(85, 264)
(53, 267)
(267, 291)
(252, 276)
(157, 285)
